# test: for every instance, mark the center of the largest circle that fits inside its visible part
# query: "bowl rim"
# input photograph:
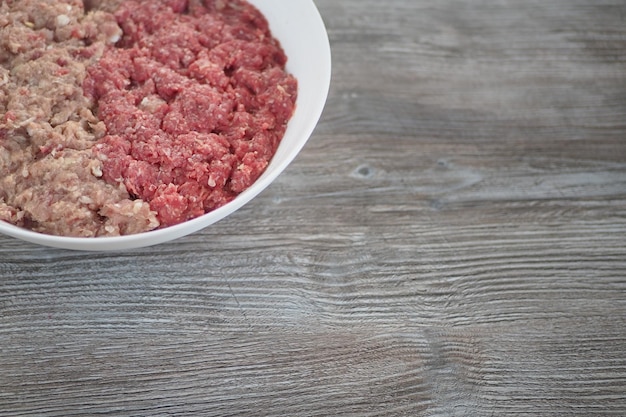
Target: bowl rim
(275, 168)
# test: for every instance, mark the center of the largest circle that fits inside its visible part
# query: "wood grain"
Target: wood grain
(451, 242)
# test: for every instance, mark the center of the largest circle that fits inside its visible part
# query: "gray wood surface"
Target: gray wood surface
(451, 242)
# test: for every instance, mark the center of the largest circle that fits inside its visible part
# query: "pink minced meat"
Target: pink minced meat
(50, 181)
(121, 116)
(195, 99)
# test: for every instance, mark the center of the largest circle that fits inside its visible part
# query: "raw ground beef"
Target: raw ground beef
(179, 116)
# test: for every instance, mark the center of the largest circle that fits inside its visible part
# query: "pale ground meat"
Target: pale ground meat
(176, 119)
(49, 178)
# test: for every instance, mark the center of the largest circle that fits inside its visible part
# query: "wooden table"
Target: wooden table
(451, 242)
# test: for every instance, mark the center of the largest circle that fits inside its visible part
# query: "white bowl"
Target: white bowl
(298, 25)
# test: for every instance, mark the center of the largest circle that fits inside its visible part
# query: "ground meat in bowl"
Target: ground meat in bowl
(50, 180)
(145, 115)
